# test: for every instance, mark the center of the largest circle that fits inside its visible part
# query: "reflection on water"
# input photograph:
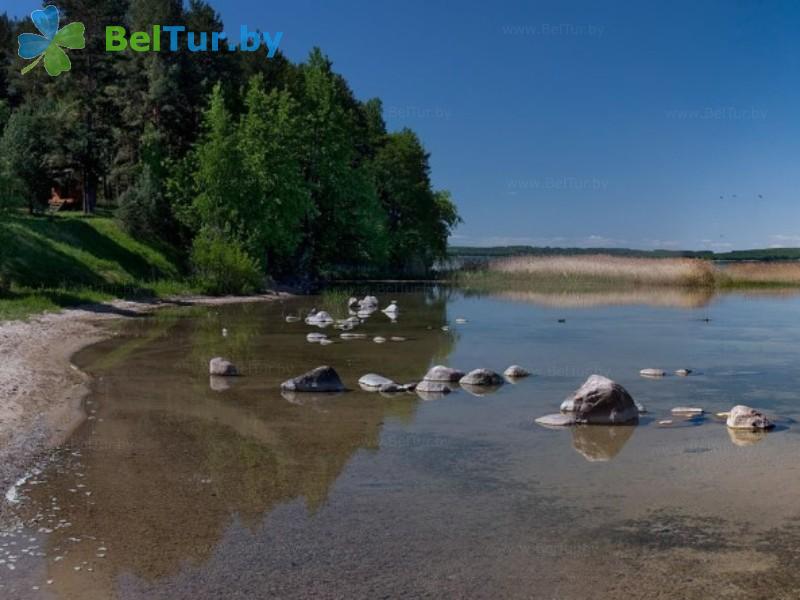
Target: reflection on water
(668, 297)
(184, 486)
(599, 443)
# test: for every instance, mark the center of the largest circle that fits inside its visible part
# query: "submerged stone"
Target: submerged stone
(687, 410)
(653, 373)
(433, 387)
(556, 420)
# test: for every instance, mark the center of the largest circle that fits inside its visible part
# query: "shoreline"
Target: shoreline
(42, 391)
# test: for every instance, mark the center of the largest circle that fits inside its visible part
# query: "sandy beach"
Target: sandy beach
(41, 391)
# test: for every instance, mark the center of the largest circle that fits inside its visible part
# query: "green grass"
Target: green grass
(70, 260)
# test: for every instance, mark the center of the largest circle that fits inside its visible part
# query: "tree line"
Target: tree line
(246, 165)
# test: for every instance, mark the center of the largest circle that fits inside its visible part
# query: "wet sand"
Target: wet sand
(41, 391)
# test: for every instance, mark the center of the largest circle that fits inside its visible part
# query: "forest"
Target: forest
(249, 168)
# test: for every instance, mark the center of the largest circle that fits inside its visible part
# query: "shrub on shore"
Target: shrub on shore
(222, 266)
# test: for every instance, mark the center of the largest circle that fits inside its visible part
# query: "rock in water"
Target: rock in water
(392, 309)
(481, 377)
(433, 387)
(372, 382)
(395, 388)
(601, 401)
(369, 302)
(442, 373)
(744, 417)
(319, 318)
(652, 373)
(683, 372)
(516, 372)
(321, 379)
(432, 390)
(222, 368)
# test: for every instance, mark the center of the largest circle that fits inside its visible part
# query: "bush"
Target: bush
(222, 266)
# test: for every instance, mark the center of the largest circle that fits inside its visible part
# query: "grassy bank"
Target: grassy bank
(68, 260)
(602, 272)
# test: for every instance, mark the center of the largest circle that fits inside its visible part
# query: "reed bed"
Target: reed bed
(554, 274)
(608, 269)
(776, 274)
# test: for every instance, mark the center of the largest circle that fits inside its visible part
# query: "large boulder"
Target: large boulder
(220, 367)
(321, 379)
(481, 377)
(744, 417)
(445, 374)
(601, 401)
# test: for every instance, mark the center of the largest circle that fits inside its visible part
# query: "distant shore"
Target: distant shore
(41, 391)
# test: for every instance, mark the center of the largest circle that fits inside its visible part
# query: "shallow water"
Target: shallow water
(178, 487)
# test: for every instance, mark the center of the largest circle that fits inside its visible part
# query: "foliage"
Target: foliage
(222, 266)
(278, 161)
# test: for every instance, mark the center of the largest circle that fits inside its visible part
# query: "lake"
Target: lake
(177, 487)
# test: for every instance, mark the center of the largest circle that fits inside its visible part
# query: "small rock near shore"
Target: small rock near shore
(481, 377)
(744, 417)
(222, 368)
(556, 420)
(321, 379)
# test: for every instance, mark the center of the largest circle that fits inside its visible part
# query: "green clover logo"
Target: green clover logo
(49, 45)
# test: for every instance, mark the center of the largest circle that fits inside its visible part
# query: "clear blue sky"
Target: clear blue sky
(633, 123)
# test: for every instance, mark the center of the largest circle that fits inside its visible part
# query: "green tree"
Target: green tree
(278, 197)
(25, 151)
(347, 228)
(419, 220)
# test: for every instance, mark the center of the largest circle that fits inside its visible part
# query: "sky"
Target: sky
(669, 124)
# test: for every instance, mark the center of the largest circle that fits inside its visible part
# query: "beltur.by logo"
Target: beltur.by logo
(49, 46)
(176, 37)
